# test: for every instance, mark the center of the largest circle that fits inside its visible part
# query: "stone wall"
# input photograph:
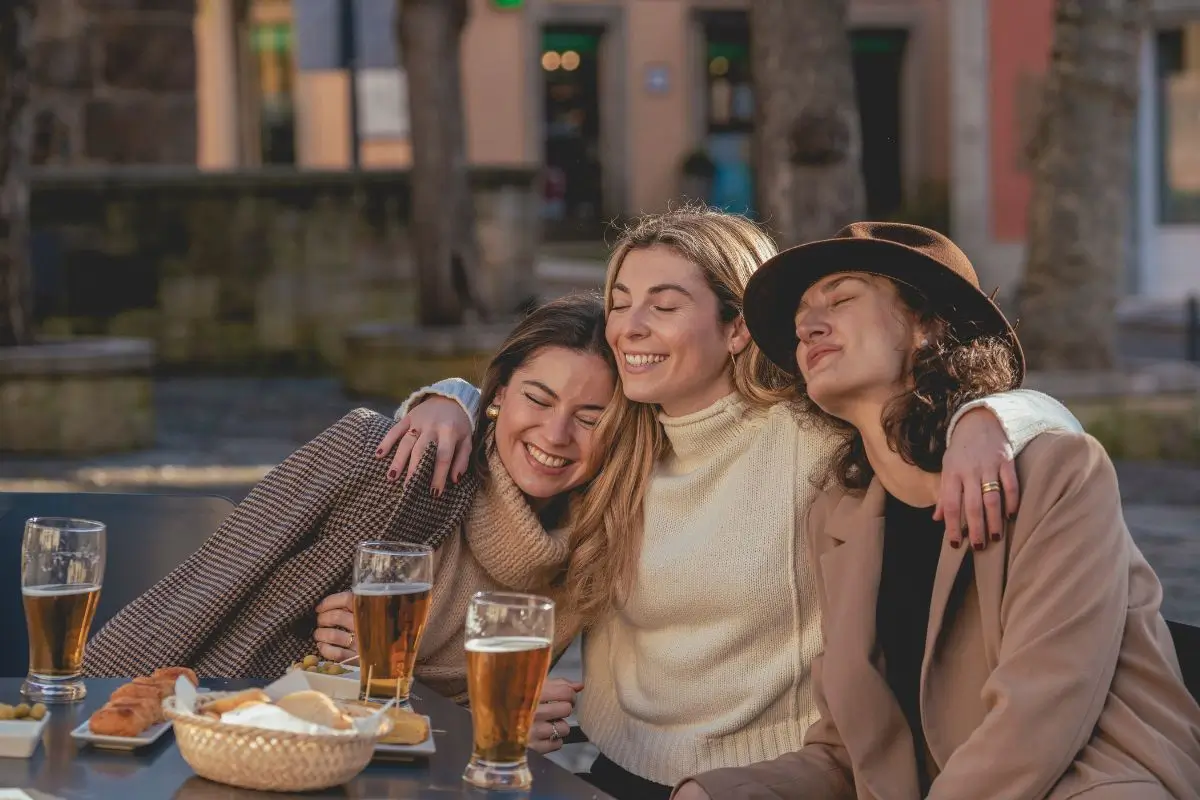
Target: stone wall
(226, 270)
(115, 82)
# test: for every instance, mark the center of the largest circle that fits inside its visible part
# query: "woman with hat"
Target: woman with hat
(1038, 668)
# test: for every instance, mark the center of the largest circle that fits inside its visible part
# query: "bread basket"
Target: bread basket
(270, 760)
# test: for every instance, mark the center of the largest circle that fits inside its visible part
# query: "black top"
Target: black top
(912, 542)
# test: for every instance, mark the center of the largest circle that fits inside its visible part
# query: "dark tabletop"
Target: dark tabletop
(63, 768)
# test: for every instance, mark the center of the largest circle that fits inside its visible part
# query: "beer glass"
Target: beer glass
(393, 589)
(508, 639)
(62, 568)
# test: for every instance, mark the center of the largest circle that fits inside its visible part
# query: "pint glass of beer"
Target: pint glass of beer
(393, 588)
(508, 655)
(62, 568)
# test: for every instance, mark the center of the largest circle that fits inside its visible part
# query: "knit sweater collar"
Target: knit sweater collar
(695, 437)
(506, 537)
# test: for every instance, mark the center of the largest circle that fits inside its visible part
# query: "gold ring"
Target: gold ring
(555, 736)
(991, 486)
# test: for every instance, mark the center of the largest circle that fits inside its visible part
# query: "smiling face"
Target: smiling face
(664, 325)
(856, 340)
(548, 412)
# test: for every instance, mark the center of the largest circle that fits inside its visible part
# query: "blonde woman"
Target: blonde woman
(686, 561)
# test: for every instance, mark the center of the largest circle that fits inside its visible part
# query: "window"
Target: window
(272, 47)
(1178, 107)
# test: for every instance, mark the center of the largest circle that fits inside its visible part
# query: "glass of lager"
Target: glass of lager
(62, 568)
(508, 639)
(393, 589)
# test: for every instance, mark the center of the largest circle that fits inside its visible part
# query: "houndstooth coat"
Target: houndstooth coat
(243, 605)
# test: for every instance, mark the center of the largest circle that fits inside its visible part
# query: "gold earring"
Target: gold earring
(492, 411)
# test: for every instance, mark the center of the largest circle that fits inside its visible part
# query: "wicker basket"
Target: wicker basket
(267, 760)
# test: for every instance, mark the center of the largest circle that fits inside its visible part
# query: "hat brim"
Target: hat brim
(774, 291)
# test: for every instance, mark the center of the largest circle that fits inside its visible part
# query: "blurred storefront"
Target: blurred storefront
(619, 100)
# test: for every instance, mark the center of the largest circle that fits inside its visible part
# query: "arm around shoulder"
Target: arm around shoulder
(1024, 414)
(456, 389)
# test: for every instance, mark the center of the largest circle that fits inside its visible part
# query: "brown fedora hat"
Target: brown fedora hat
(922, 258)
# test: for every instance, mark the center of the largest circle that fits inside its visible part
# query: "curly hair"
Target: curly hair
(952, 370)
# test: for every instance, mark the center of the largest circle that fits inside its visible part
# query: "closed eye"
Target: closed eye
(614, 309)
(588, 423)
(661, 308)
(535, 401)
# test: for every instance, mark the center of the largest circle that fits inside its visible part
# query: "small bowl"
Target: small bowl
(19, 737)
(339, 687)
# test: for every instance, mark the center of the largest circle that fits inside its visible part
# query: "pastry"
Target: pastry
(149, 691)
(316, 708)
(237, 700)
(171, 673)
(153, 709)
(119, 721)
(407, 727)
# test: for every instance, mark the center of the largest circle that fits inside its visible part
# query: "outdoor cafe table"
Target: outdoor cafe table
(66, 769)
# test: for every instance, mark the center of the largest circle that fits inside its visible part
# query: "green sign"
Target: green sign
(507, 4)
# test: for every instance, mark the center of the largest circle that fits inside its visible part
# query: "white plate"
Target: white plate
(149, 736)
(19, 738)
(425, 748)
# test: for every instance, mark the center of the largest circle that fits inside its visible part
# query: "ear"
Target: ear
(498, 399)
(739, 336)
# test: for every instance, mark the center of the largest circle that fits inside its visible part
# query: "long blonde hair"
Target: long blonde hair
(607, 531)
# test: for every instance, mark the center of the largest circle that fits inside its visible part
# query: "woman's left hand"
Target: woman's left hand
(550, 724)
(979, 457)
(335, 627)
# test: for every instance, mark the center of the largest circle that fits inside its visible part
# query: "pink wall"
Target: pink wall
(1020, 38)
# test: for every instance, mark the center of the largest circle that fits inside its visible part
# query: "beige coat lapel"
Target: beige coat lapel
(855, 687)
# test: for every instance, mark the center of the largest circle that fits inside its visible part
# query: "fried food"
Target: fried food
(407, 727)
(148, 691)
(172, 673)
(237, 701)
(120, 720)
(152, 709)
(314, 707)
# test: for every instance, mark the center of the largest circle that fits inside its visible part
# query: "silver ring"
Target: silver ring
(555, 736)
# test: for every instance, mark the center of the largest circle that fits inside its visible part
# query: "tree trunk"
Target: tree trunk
(1082, 156)
(16, 40)
(443, 214)
(807, 137)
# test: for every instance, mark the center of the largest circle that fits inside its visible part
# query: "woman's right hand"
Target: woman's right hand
(436, 420)
(550, 721)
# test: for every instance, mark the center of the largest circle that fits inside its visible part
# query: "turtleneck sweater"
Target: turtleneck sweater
(707, 663)
(502, 546)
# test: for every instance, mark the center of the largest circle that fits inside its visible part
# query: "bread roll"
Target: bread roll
(407, 727)
(312, 706)
(236, 700)
(137, 689)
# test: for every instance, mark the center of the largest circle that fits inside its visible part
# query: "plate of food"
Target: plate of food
(21, 727)
(133, 716)
(411, 735)
(337, 680)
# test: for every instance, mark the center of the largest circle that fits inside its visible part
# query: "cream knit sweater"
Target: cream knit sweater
(707, 664)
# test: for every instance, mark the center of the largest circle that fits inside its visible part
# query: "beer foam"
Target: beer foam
(60, 589)
(507, 644)
(392, 588)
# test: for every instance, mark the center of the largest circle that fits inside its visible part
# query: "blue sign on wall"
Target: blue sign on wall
(318, 26)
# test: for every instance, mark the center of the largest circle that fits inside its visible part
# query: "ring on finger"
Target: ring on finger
(555, 736)
(991, 486)
(413, 432)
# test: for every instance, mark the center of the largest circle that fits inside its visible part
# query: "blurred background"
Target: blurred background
(227, 222)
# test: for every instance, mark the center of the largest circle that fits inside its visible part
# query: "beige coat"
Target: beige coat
(1055, 678)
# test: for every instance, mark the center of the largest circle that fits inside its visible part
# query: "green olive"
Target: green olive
(311, 661)
(21, 711)
(38, 711)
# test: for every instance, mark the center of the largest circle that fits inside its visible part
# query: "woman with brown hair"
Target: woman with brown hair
(243, 605)
(686, 561)
(1038, 668)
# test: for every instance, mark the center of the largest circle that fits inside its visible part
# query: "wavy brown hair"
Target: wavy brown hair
(951, 371)
(607, 529)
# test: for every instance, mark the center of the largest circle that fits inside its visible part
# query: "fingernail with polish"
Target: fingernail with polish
(996, 537)
(955, 543)
(977, 545)
(379, 452)
(391, 474)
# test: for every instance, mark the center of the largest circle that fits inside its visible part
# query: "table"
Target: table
(62, 768)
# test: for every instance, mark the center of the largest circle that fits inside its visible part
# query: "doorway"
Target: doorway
(878, 64)
(573, 197)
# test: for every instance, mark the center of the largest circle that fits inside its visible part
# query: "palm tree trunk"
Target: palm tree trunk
(443, 215)
(1082, 157)
(16, 41)
(807, 137)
